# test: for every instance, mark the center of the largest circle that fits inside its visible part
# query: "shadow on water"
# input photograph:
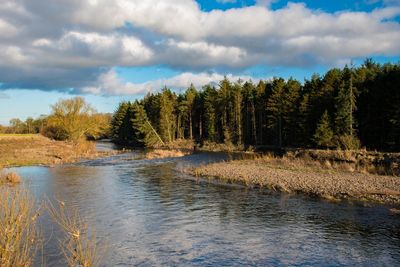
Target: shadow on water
(152, 214)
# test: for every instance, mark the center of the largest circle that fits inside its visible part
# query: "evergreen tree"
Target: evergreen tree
(275, 107)
(167, 122)
(144, 132)
(237, 113)
(225, 109)
(210, 95)
(323, 134)
(190, 97)
(345, 105)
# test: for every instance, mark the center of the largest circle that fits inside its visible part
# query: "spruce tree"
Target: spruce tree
(190, 97)
(144, 132)
(167, 121)
(323, 134)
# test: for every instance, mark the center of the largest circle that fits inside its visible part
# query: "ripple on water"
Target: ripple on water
(150, 214)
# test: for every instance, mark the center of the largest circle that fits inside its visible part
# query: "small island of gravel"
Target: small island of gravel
(313, 178)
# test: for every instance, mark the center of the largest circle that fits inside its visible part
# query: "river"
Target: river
(148, 213)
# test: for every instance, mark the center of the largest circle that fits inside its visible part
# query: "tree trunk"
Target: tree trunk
(190, 126)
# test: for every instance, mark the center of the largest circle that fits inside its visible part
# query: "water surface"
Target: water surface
(148, 213)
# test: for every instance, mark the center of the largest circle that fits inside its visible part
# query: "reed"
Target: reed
(19, 238)
(9, 178)
(79, 244)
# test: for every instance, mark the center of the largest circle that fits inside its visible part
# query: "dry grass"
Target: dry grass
(79, 245)
(220, 147)
(165, 153)
(9, 178)
(19, 239)
(25, 150)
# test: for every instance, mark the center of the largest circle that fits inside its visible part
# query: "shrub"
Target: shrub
(347, 142)
(55, 132)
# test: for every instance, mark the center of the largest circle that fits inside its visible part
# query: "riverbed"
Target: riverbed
(149, 213)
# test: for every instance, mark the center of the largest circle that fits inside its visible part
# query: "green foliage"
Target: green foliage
(167, 120)
(209, 99)
(345, 105)
(324, 134)
(346, 142)
(363, 102)
(144, 132)
(121, 125)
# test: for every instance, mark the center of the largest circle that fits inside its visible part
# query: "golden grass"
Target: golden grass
(39, 150)
(165, 153)
(19, 239)
(17, 135)
(9, 178)
(79, 245)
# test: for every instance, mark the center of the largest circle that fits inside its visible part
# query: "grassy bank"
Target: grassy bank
(26, 150)
(323, 179)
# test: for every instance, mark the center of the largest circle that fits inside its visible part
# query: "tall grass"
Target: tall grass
(19, 239)
(9, 178)
(79, 244)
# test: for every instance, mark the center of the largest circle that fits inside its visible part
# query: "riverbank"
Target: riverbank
(308, 177)
(28, 150)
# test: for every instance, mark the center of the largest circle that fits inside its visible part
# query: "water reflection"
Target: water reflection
(151, 214)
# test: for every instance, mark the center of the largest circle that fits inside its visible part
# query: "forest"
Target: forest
(346, 108)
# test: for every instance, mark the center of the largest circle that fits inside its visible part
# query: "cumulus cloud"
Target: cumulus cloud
(4, 95)
(110, 84)
(72, 44)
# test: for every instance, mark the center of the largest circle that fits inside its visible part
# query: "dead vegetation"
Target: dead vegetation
(25, 150)
(9, 178)
(166, 153)
(354, 160)
(19, 237)
(79, 244)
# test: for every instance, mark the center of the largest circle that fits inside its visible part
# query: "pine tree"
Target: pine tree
(144, 132)
(275, 107)
(225, 109)
(190, 97)
(237, 112)
(323, 134)
(120, 124)
(210, 96)
(167, 121)
(345, 105)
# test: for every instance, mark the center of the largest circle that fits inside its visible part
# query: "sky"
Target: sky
(114, 50)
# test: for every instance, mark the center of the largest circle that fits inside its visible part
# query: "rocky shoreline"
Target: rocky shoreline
(324, 183)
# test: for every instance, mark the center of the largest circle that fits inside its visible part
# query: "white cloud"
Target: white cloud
(4, 96)
(110, 84)
(7, 30)
(78, 42)
(94, 49)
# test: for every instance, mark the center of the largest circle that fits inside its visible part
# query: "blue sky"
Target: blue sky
(109, 51)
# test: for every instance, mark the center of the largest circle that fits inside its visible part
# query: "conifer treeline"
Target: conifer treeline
(345, 108)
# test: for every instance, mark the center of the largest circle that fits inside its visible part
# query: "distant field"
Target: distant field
(18, 135)
(35, 149)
